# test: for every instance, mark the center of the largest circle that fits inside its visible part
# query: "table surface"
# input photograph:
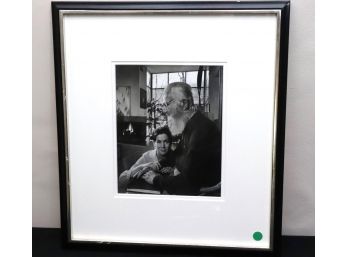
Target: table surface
(47, 242)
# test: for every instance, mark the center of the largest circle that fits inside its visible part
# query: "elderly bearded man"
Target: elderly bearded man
(198, 155)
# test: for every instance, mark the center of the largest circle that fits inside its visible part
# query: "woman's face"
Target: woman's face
(162, 144)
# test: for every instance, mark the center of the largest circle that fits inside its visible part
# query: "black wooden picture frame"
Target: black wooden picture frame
(277, 191)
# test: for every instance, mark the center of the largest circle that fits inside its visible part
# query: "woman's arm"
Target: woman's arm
(127, 175)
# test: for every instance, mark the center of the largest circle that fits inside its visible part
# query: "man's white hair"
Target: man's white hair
(186, 89)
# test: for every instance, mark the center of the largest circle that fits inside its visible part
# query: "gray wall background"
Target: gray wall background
(298, 203)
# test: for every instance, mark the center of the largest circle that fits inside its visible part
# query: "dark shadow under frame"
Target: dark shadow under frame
(284, 8)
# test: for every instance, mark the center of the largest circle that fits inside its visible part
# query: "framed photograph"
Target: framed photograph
(171, 123)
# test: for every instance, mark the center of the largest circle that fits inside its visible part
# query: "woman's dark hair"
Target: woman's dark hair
(161, 130)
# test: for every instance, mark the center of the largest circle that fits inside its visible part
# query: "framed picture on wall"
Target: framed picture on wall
(123, 98)
(142, 98)
(178, 143)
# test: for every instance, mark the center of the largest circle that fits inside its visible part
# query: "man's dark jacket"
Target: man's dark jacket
(198, 158)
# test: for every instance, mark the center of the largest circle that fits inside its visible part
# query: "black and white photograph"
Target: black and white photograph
(171, 114)
(169, 129)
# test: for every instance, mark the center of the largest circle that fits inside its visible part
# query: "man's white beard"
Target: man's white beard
(176, 125)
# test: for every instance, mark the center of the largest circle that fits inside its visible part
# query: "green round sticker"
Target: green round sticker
(257, 236)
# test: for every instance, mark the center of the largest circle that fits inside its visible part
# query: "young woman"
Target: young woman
(159, 160)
